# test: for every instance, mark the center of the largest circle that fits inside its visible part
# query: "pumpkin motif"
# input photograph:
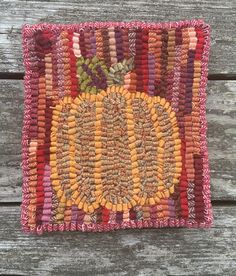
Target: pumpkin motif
(116, 149)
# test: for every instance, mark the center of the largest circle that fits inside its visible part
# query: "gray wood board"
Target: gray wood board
(221, 15)
(221, 100)
(121, 252)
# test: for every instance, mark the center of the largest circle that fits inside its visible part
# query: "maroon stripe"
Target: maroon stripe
(164, 61)
(106, 49)
(82, 44)
(119, 44)
(138, 60)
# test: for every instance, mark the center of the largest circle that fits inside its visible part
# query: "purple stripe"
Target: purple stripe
(151, 74)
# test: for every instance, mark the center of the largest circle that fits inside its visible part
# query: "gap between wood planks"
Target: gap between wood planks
(6, 274)
(20, 76)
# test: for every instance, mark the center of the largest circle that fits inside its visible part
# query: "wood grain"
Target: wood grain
(124, 252)
(221, 15)
(221, 112)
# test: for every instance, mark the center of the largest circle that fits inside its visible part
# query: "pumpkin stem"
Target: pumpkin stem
(94, 76)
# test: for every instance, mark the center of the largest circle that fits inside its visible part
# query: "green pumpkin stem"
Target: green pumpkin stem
(94, 75)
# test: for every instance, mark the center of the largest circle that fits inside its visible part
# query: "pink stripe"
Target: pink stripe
(47, 195)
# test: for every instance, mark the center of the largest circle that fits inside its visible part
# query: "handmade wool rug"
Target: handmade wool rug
(114, 131)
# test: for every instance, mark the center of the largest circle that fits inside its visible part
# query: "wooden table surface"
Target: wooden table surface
(124, 252)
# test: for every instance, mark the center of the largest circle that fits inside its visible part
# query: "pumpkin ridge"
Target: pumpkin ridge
(130, 200)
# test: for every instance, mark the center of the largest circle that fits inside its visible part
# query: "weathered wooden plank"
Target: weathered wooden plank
(124, 252)
(221, 116)
(220, 15)
(221, 139)
(11, 116)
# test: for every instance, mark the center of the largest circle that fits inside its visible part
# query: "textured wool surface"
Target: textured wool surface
(114, 131)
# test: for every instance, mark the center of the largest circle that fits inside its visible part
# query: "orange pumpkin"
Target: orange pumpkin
(115, 149)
